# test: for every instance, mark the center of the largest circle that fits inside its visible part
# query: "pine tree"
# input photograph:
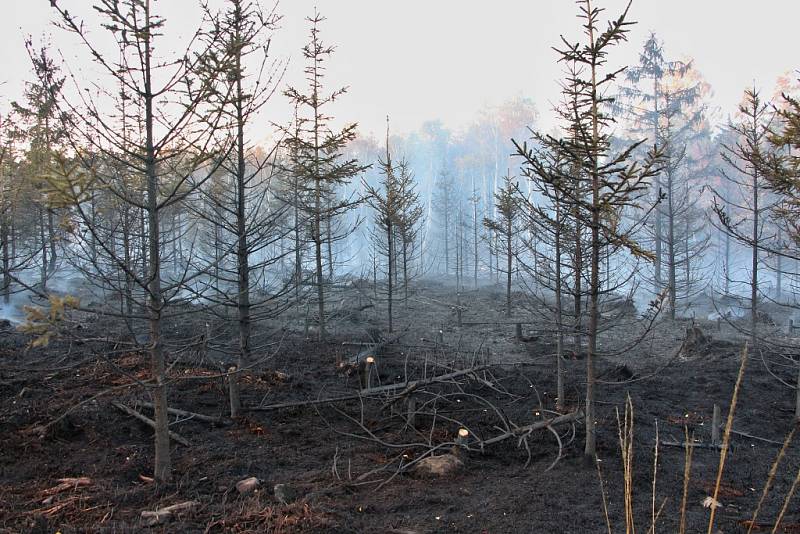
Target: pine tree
(316, 155)
(746, 159)
(505, 229)
(661, 92)
(613, 181)
(44, 134)
(156, 133)
(239, 43)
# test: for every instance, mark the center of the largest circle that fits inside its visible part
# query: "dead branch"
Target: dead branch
(68, 484)
(217, 421)
(404, 387)
(149, 422)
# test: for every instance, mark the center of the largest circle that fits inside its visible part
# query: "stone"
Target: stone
(438, 466)
(247, 485)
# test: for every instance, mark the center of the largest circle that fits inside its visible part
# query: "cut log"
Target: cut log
(150, 518)
(149, 422)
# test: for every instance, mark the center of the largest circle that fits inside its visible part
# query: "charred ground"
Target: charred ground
(329, 456)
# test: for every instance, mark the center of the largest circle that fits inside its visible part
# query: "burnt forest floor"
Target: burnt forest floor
(339, 461)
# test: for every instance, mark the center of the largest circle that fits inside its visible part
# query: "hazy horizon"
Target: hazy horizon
(448, 60)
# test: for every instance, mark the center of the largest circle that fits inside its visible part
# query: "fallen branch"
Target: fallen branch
(694, 444)
(757, 438)
(406, 387)
(189, 415)
(533, 427)
(149, 422)
(68, 484)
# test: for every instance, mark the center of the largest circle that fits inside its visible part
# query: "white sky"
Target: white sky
(418, 60)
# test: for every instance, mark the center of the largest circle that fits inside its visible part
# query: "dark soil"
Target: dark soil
(318, 453)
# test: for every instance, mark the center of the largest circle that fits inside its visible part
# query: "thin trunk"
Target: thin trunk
(779, 270)
(559, 321)
(754, 279)
(242, 249)
(475, 241)
(671, 246)
(162, 465)
(51, 230)
(6, 260)
(390, 243)
(509, 247)
(578, 288)
(658, 231)
(44, 248)
(727, 262)
(298, 265)
(405, 273)
(590, 449)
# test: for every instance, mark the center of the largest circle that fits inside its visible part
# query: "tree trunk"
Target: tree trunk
(242, 249)
(475, 242)
(590, 449)
(6, 241)
(389, 248)
(509, 247)
(162, 464)
(671, 246)
(754, 277)
(559, 321)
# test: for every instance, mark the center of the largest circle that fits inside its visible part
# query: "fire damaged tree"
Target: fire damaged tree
(43, 132)
(410, 220)
(504, 227)
(387, 207)
(781, 169)
(316, 155)
(684, 240)
(243, 221)
(547, 219)
(16, 212)
(445, 203)
(615, 182)
(746, 158)
(167, 154)
(643, 101)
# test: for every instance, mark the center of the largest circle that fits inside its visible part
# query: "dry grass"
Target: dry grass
(626, 434)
